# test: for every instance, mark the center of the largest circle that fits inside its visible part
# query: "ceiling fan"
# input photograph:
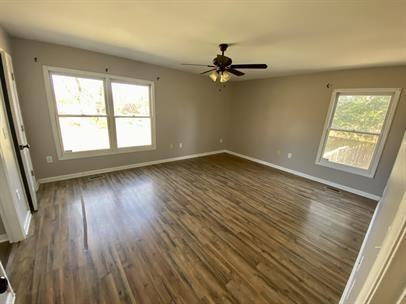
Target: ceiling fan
(222, 66)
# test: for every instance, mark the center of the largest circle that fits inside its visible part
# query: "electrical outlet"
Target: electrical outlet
(49, 159)
(221, 140)
(180, 145)
(290, 155)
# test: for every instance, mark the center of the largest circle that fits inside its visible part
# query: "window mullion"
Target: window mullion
(80, 115)
(354, 131)
(131, 116)
(110, 114)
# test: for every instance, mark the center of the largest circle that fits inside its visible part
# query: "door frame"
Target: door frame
(387, 251)
(16, 227)
(19, 125)
(13, 131)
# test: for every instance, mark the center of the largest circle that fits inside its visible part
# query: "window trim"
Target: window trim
(370, 172)
(107, 79)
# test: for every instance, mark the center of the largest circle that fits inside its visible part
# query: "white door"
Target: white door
(24, 147)
(8, 296)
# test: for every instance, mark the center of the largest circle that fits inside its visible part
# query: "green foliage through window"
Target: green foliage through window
(361, 113)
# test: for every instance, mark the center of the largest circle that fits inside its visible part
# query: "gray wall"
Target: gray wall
(288, 114)
(189, 108)
(256, 118)
(4, 41)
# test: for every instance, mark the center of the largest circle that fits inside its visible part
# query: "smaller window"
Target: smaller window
(356, 129)
(132, 114)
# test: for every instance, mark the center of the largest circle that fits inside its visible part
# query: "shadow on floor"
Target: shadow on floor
(5, 249)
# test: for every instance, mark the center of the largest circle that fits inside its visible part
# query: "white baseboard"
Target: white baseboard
(119, 168)
(27, 223)
(317, 179)
(3, 238)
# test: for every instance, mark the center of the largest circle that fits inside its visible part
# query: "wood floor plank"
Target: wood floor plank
(216, 229)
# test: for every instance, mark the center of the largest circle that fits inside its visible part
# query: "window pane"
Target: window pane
(133, 132)
(84, 133)
(77, 96)
(351, 149)
(130, 99)
(361, 113)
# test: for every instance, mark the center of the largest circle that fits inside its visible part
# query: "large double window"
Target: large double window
(96, 114)
(356, 128)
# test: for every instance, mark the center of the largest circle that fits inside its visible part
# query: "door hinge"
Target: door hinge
(22, 128)
(12, 76)
(32, 173)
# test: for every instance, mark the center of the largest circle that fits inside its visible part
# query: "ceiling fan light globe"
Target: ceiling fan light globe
(213, 75)
(225, 76)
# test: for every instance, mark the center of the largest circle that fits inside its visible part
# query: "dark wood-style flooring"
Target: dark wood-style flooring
(216, 229)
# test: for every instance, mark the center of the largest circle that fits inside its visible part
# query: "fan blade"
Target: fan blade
(207, 71)
(248, 66)
(203, 65)
(235, 72)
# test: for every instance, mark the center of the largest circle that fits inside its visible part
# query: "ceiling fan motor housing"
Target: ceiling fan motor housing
(222, 62)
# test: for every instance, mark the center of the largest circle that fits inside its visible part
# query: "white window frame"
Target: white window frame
(370, 172)
(107, 79)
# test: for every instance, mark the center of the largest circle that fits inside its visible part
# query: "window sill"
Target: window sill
(340, 167)
(96, 153)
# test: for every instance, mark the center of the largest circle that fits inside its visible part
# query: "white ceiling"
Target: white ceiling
(290, 36)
